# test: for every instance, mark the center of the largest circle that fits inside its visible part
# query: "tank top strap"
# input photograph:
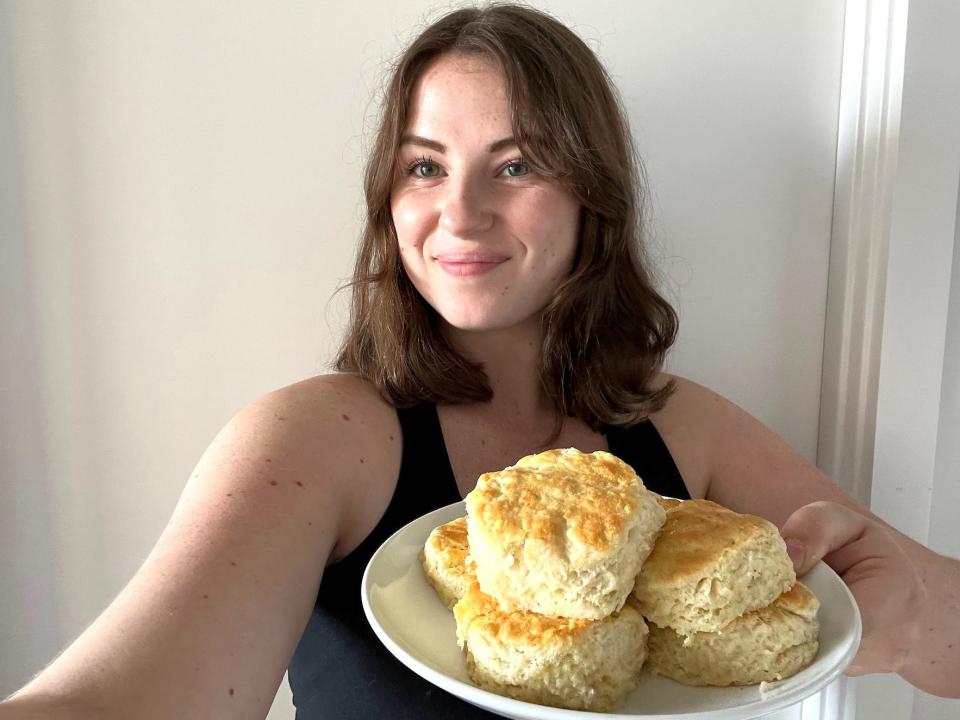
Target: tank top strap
(641, 447)
(425, 468)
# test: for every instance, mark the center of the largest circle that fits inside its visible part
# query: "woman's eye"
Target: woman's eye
(424, 168)
(517, 168)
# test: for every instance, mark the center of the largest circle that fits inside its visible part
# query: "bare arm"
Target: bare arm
(206, 627)
(909, 595)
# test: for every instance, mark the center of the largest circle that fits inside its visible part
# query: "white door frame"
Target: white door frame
(885, 417)
(868, 133)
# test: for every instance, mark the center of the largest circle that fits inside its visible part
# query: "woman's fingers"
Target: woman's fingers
(818, 529)
(877, 571)
(887, 591)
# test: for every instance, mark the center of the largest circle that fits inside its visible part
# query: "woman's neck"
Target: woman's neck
(511, 360)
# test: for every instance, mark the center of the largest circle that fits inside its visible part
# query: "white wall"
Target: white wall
(735, 112)
(180, 196)
(27, 549)
(944, 534)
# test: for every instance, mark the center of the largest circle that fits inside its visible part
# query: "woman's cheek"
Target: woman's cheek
(412, 233)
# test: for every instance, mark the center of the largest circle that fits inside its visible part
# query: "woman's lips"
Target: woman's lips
(467, 264)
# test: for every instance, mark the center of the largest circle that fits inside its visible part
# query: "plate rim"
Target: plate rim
(488, 700)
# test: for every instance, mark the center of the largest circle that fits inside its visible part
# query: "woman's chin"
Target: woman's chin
(471, 325)
(494, 322)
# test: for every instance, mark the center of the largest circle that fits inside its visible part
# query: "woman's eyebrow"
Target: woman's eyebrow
(441, 148)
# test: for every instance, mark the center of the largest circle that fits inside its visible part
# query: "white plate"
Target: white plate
(414, 625)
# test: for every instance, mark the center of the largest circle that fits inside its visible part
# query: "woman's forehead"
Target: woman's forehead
(459, 90)
(462, 64)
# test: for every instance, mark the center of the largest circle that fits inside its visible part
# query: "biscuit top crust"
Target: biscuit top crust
(799, 600)
(695, 535)
(479, 611)
(666, 503)
(559, 496)
(449, 543)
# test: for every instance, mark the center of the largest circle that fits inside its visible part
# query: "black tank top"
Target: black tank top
(340, 669)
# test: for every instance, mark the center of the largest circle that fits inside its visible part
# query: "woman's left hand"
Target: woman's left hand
(877, 570)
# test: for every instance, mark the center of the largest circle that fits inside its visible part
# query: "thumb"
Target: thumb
(817, 529)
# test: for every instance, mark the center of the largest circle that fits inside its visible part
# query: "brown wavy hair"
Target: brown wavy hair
(607, 330)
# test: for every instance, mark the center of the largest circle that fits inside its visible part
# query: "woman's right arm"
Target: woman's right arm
(207, 626)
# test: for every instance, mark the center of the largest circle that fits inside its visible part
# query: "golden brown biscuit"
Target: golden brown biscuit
(709, 566)
(570, 663)
(769, 644)
(667, 503)
(562, 533)
(446, 561)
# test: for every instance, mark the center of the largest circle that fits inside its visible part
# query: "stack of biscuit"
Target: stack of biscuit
(555, 542)
(722, 600)
(447, 562)
(563, 560)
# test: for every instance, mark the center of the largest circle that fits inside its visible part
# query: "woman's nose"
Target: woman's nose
(465, 207)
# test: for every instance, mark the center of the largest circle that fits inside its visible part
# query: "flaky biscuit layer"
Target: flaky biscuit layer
(446, 561)
(563, 662)
(765, 645)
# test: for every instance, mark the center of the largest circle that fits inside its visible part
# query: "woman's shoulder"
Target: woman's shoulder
(707, 434)
(341, 415)
(696, 407)
(335, 399)
(733, 458)
(338, 428)
(704, 416)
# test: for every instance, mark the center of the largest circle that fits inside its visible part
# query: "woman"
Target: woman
(500, 307)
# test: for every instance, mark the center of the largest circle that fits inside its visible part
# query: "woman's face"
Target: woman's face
(483, 237)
